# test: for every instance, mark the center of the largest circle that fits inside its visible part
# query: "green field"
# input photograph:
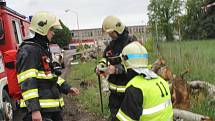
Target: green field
(89, 97)
(197, 56)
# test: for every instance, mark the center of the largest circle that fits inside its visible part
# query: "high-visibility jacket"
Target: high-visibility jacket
(41, 88)
(146, 100)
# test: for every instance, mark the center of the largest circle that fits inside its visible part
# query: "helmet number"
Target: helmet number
(162, 85)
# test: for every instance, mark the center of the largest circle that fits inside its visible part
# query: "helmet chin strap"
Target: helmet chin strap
(49, 40)
(31, 34)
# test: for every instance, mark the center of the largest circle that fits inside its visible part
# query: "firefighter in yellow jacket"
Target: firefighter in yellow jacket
(147, 96)
(39, 81)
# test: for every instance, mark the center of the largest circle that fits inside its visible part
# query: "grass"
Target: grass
(197, 56)
(83, 71)
(203, 105)
(90, 96)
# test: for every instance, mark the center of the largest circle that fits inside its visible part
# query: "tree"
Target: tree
(162, 14)
(62, 36)
(192, 19)
(189, 19)
(208, 20)
(198, 20)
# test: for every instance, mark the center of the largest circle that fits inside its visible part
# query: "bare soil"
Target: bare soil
(75, 112)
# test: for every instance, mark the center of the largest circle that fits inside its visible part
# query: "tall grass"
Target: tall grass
(89, 97)
(199, 58)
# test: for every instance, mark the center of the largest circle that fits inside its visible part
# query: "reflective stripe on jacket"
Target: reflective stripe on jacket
(117, 88)
(47, 103)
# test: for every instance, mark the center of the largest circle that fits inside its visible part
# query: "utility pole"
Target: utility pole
(156, 29)
(144, 29)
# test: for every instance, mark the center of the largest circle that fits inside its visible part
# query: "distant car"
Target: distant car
(57, 54)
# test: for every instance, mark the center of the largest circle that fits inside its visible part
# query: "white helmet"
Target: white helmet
(134, 55)
(112, 23)
(42, 21)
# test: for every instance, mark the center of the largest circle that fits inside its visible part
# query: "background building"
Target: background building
(95, 38)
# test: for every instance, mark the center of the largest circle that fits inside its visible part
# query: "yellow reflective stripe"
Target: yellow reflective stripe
(60, 81)
(103, 60)
(123, 117)
(42, 75)
(27, 74)
(33, 73)
(157, 108)
(117, 88)
(33, 93)
(149, 66)
(47, 103)
(61, 102)
(22, 103)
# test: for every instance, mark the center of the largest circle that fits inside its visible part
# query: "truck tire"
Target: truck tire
(7, 106)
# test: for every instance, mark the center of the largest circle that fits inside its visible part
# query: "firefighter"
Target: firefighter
(117, 80)
(147, 96)
(40, 83)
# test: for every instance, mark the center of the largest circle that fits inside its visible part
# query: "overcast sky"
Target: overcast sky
(90, 12)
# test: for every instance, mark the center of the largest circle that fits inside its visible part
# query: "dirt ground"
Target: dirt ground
(75, 112)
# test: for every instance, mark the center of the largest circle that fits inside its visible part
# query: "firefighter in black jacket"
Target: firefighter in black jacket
(117, 79)
(40, 83)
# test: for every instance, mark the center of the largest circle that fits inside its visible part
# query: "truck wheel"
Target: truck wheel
(7, 106)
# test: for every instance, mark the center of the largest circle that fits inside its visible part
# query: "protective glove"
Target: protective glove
(101, 68)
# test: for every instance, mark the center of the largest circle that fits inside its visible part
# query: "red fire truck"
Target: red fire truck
(13, 30)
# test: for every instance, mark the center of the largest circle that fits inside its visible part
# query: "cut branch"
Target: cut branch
(203, 85)
(183, 115)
